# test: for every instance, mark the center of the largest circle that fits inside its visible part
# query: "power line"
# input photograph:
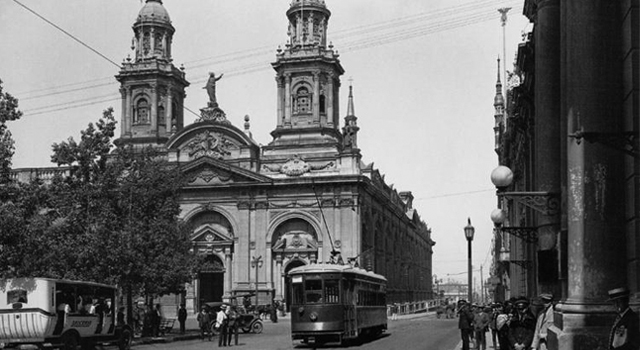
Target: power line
(67, 33)
(371, 41)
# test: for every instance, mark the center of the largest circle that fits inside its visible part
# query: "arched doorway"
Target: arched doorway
(287, 293)
(211, 278)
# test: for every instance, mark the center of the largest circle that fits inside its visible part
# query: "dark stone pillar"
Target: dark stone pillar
(547, 135)
(591, 98)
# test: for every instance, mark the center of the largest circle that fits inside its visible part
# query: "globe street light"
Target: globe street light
(468, 233)
(257, 263)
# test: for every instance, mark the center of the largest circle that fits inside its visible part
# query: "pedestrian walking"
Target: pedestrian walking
(492, 324)
(222, 325)
(624, 332)
(522, 326)
(544, 321)
(156, 319)
(204, 323)
(182, 317)
(481, 322)
(465, 323)
(233, 320)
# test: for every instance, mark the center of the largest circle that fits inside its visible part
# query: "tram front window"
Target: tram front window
(313, 291)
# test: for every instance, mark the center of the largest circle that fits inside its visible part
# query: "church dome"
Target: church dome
(153, 11)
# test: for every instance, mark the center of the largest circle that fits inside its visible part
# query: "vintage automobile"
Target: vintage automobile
(247, 321)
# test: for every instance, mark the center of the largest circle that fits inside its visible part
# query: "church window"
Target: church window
(303, 101)
(146, 44)
(323, 107)
(162, 115)
(142, 112)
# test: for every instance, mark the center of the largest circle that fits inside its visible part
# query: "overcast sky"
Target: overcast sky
(423, 74)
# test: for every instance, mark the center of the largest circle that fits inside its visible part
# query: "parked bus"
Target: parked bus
(336, 303)
(60, 313)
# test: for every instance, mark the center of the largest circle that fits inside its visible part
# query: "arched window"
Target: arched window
(303, 100)
(142, 112)
(162, 115)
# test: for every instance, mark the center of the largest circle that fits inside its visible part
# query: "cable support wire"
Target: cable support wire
(437, 14)
(374, 40)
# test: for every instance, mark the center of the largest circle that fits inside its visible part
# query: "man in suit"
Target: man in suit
(465, 323)
(624, 333)
(522, 326)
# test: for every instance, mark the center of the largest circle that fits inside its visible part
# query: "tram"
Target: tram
(336, 303)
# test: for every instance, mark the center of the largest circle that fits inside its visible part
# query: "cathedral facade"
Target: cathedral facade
(306, 197)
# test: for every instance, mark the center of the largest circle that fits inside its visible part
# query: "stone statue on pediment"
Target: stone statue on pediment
(211, 88)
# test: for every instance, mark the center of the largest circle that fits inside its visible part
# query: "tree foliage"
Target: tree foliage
(8, 112)
(112, 218)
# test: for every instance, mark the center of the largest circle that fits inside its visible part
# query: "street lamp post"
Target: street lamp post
(257, 263)
(468, 233)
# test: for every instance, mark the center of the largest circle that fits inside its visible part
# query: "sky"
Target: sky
(423, 74)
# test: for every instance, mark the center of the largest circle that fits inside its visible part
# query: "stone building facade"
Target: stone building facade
(259, 211)
(569, 134)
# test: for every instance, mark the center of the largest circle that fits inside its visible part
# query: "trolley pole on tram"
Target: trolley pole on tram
(257, 263)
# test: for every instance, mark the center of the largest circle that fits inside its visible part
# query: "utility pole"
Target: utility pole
(481, 286)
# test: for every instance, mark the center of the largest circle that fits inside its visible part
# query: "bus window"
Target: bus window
(332, 291)
(313, 291)
(17, 296)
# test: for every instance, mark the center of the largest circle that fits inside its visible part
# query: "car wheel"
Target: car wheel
(257, 327)
(124, 343)
(70, 341)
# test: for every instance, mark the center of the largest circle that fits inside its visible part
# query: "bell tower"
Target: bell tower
(308, 79)
(152, 87)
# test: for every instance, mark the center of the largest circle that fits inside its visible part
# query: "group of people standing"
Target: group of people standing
(518, 324)
(226, 324)
(515, 324)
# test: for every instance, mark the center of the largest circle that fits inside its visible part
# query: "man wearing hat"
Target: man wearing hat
(222, 325)
(522, 326)
(204, 322)
(544, 321)
(465, 323)
(624, 334)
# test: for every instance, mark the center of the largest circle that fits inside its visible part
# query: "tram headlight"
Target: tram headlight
(301, 310)
(313, 317)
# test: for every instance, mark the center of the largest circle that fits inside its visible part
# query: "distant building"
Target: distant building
(291, 202)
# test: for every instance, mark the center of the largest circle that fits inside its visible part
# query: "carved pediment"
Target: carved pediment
(207, 171)
(211, 233)
(296, 166)
(210, 144)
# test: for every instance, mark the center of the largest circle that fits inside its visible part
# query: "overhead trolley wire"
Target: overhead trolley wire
(371, 40)
(67, 33)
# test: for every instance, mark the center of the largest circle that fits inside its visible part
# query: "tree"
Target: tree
(8, 112)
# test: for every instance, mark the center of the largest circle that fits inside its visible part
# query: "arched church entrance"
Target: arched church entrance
(212, 238)
(293, 243)
(287, 284)
(211, 277)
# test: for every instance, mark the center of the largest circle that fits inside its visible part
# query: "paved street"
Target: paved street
(420, 333)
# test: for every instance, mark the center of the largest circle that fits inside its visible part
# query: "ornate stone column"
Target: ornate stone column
(127, 110)
(279, 274)
(123, 115)
(280, 103)
(228, 275)
(316, 96)
(169, 109)
(596, 249)
(330, 97)
(154, 109)
(287, 99)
